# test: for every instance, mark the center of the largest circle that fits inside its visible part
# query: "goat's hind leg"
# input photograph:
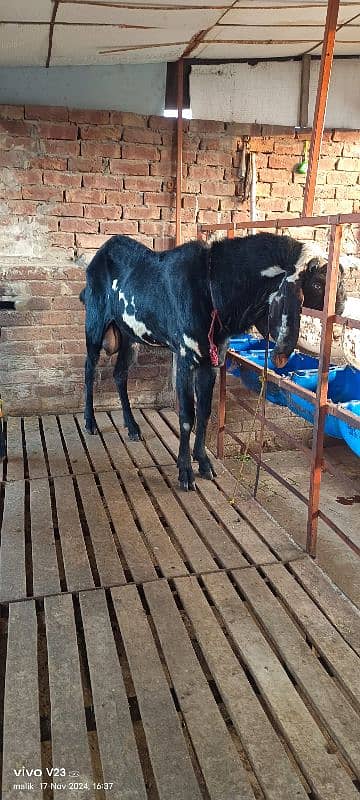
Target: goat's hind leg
(126, 357)
(93, 352)
(204, 385)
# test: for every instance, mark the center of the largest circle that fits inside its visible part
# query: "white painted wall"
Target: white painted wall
(126, 87)
(269, 93)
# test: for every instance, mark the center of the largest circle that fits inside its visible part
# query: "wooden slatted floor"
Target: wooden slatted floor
(162, 645)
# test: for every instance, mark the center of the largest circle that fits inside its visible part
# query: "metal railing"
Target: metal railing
(322, 406)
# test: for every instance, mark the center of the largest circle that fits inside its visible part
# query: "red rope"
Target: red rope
(213, 349)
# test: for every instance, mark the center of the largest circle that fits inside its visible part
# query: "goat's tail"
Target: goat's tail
(82, 296)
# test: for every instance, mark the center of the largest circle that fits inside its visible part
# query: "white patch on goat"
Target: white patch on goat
(114, 285)
(309, 250)
(191, 344)
(271, 297)
(186, 426)
(182, 351)
(136, 325)
(270, 272)
(284, 329)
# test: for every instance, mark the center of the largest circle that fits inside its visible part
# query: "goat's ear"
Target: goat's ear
(313, 264)
(284, 320)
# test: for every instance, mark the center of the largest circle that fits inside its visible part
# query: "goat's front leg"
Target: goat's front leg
(204, 385)
(93, 352)
(185, 392)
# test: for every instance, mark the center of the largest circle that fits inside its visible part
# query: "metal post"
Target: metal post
(322, 388)
(222, 394)
(179, 159)
(320, 106)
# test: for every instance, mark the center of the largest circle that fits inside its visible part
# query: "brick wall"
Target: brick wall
(69, 179)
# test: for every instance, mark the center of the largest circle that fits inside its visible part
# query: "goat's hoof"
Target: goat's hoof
(134, 436)
(187, 480)
(206, 470)
(91, 428)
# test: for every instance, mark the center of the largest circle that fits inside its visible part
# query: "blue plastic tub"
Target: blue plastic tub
(274, 393)
(351, 435)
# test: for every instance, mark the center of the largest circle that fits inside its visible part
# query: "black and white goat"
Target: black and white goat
(192, 299)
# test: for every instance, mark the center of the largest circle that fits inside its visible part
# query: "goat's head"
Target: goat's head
(305, 287)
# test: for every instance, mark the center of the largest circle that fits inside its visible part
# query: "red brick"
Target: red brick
(351, 149)
(14, 158)
(124, 198)
(286, 190)
(143, 184)
(68, 210)
(61, 148)
(50, 113)
(346, 136)
(217, 188)
(56, 178)
(142, 212)
(163, 170)
(15, 127)
(162, 123)
(44, 193)
(163, 243)
(337, 178)
(60, 239)
(262, 144)
(49, 163)
(80, 164)
(296, 204)
(19, 334)
(91, 116)
(209, 203)
(272, 204)
(169, 214)
(214, 158)
(289, 147)
(128, 118)
(29, 176)
(12, 112)
(102, 212)
(79, 225)
(124, 226)
(119, 166)
(90, 241)
(206, 126)
(208, 217)
(141, 152)
(226, 203)
(191, 187)
(52, 130)
(141, 136)
(349, 164)
(347, 192)
(159, 198)
(326, 163)
(21, 143)
(327, 192)
(102, 182)
(100, 132)
(267, 175)
(224, 143)
(85, 196)
(102, 149)
(50, 223)
(203, 173)
(282, 162)
(157, 228)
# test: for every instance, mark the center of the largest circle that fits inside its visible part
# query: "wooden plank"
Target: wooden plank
(21, 746)
(267, 755)
(321, 769)
(107, 557)
(77, 456)
(98, 454)
(338, 608)
(115, 447)
(170, 760)
(220, 544)
(34, 449)
(69, 739)
(344, 662)
(15, 456)
(119, 755)
(219, 761)
(168, 438)
(46, 578)
(128, 536)
(76, 562)
(54, 446)
(329, 703)
(138, 452)
(195, 551)
(157, 450)
(12, 550)
(275, 537)
(164, 552)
